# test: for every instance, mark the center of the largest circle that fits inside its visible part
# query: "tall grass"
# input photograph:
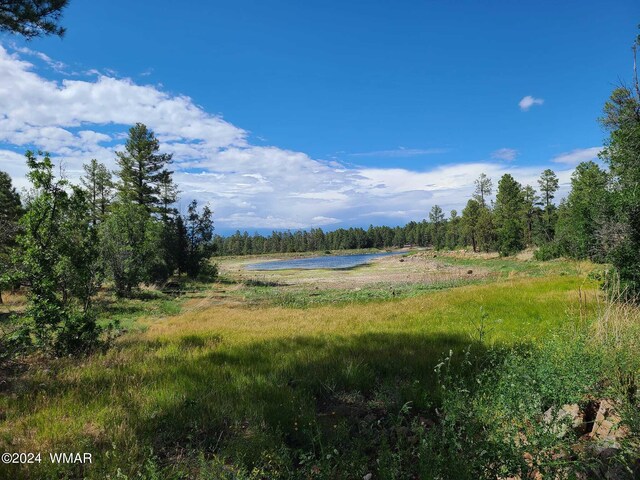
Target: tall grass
(325, 392)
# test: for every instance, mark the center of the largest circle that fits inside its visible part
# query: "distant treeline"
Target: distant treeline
(518, 217)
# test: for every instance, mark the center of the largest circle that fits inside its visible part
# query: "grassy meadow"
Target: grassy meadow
(311, 374)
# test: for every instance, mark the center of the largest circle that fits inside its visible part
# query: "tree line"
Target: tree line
(519, 217)
(598, 220)
(62, 242)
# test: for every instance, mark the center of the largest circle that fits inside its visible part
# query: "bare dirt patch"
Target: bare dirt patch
(420, 268)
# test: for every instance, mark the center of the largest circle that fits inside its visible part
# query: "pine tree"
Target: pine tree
(199, 235)
(584, 209)
(509, 216)
(484, 188)
(143, 170)
(548, 184)
(470, 216)
(10, 205)
(622, 153)
(10, 212)
(531, 212)
(32, 18)
(486, 230)
(436, 217)
(453, 230)
(99, 187)
(131, 244)
(168, 195)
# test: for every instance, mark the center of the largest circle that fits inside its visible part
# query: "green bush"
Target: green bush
(548, 251)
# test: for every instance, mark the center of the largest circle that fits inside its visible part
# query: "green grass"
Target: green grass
(278, 389)
(509, 265)
(308, 288)
(128, 311)
(278, 295)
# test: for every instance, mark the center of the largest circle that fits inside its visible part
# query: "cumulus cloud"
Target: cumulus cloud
(574, 157)
(527, 102)
(249, 186)
(508, 154)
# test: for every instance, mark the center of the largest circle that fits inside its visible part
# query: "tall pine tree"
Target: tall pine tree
(143, 170)
(99, 187)
(548, 184)
(509, 216)
(484, 188)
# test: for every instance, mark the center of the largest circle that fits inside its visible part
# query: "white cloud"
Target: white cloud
(248, 186)
(508, 154)
(59, 67)
(574, 157)
(527, 102)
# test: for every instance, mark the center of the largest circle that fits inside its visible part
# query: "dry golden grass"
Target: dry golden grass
(239, 379)
(548, 299)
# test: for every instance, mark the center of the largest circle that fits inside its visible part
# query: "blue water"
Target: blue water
(329, 261)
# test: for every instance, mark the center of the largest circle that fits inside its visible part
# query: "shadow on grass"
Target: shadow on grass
(197, 393)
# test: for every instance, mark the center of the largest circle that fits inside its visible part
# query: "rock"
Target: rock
(567, 415)
(368, 476)
(402, 260)
(606, 425)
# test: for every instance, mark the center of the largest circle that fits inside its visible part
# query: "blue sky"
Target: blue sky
(291, 114)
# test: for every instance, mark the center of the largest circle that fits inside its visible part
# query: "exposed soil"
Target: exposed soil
(420, 268)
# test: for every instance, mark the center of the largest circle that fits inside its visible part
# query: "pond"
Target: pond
(327, 261)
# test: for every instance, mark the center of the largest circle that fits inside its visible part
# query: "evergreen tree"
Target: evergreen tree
(486, 230)
(582, 212)
(99, 187)
(32, 18)
(131, 246)
(168, 195)
(484, 188)
(436, 217)
(470, 217)
(143, 171)
(531, 212)
(622, 153)
(509, 216)
(199, 235)
(453, 230)
(548, 184)
(10, 205)
(10, 213)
